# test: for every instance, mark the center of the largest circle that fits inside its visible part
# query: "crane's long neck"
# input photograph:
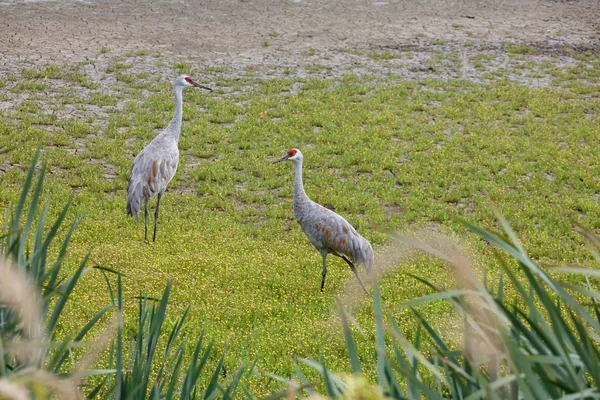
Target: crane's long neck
(300, 197)
(174, 128)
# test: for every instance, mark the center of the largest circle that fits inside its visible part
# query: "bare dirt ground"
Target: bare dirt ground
(260, 33)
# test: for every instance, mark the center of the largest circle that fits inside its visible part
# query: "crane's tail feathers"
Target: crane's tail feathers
(134, 200)
(134, 213)
(369, 260)
(369, 264)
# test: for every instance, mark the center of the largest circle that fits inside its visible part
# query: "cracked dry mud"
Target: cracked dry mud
(265, 34)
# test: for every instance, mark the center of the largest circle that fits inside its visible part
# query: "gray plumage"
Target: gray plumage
(156, 164)
(326, 230)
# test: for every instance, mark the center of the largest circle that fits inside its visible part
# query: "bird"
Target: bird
(156, 164)
(329, 232)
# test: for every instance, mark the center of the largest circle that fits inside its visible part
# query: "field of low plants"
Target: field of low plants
(389, 154)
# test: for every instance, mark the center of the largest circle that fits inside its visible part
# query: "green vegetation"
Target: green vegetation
(315, 69)
(38, 357)
(382, 55)
(118, 66)
(540, 344)
(30, 86)
(182, 67)
(520, 49)
(387, 153)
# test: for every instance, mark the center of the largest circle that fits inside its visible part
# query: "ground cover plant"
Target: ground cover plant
(385, 152)
(542, 343)
(40, 361)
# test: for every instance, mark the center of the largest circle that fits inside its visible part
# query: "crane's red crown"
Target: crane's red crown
(292, 152)
(189, 80)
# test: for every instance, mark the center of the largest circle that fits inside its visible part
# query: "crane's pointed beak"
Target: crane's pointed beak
(202, 86)
(281, 159)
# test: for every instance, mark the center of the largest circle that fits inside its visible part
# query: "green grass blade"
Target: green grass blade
(527, 264)
(57, 363)
(172, 338)
(560, 330)
(330, 387)
(33, 207)
(176, 330)
(379, 338)
(16, 222)
(492, 387)
(229, 393)
(146, 355)
(173, 367)
(65, 294)
(406, 371)
(303, 380)
(3, 365)
(38, 256)
(52, 274)
(529, 382)
(436, 338)
(350, 344)
(194, 368)
(584, 347)
(212, 389)
(252, 368)
(411, 351)
(508, 229)
(337, 382)
(449, 294)
(577, 271)
(247, 392)
(54, 229)
(395, 386)
(119, 346)
(500, 292)
(587, 394)
(97, 372)
(415, 361)
(96, 390)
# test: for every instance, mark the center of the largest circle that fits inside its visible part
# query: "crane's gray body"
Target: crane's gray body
(156, 164)
(327, 231)
(330, 232)
(152, 170)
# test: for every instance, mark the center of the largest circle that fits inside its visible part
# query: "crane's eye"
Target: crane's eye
(292, 152)
(188, 79)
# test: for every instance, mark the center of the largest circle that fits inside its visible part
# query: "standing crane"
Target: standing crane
(326, 230)
(156, 164)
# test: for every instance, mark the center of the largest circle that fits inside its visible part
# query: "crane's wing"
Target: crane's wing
(329, 231)
(150, 173)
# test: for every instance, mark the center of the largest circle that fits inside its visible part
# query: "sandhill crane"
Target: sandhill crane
(326, 230)
(155, 165)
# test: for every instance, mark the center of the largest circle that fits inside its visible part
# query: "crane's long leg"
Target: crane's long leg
(324, 272)
(353, 268)
(160, 194)
(146, 221)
